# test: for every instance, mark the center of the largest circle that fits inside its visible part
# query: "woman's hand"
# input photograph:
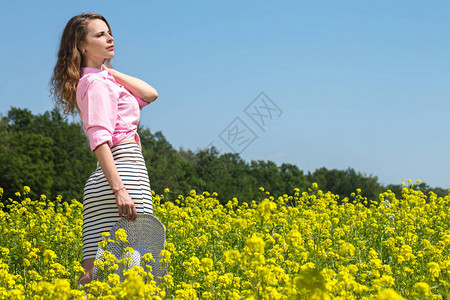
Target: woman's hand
(125, 205)
(105, 68)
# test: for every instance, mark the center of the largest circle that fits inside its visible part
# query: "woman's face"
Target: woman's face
(99, 43)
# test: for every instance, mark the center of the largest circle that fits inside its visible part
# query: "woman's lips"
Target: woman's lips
(111, 48)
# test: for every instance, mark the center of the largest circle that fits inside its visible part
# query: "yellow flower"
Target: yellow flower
(113, 279)
(231, 257)
(388, 294)
(422, 288)
(266, 207)
(77, 268)
(255, 244)
(347, 249)
(49, 256)
(147, 257)
(4, 252)
(165, 256)
(433, 269)
(26, 190)
(207, 263)
(295, 239)
(384, 281)
(121, 235)
(310, 284)
(26, 262)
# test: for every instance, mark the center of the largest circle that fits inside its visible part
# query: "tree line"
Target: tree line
(52, 156)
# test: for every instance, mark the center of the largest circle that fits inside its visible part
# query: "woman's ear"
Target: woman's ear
(80, 46)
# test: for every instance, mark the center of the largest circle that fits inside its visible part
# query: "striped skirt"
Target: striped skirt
(100, 211)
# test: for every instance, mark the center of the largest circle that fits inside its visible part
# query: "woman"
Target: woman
(109, 104)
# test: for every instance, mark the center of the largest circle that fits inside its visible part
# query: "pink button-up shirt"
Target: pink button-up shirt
(109, 112)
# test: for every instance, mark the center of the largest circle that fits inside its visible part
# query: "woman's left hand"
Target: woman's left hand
(105, 68)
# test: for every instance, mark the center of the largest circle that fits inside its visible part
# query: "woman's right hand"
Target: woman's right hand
(125, 205)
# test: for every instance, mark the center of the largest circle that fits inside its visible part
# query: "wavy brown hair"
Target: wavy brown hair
(67, 71)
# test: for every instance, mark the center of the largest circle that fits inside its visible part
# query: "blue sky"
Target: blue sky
(358, 84)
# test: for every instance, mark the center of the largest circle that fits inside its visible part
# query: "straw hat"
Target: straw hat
(146, 234)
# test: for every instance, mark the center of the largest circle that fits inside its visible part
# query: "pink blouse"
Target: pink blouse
(109, 112)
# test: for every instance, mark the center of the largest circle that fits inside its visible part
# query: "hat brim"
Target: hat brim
(145, 235)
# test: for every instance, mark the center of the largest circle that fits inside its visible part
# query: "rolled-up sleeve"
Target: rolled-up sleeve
(98, 111)
(141, 102)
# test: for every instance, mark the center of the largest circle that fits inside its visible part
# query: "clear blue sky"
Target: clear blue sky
(360, 84)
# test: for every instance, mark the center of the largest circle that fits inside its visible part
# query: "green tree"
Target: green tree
(165, 166)
(345, 182)
(27, 158)
(44, 152)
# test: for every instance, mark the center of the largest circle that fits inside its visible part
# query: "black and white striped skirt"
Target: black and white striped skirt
(100, 211)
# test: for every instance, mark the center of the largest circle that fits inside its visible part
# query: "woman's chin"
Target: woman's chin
(109, 55)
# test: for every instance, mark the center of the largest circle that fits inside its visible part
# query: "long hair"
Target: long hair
(67, 71)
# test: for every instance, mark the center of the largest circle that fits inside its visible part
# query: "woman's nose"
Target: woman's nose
(111, 38)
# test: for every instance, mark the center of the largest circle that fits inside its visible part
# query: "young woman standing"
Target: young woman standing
(109, 104)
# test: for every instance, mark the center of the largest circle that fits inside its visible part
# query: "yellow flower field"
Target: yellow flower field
(307, 245)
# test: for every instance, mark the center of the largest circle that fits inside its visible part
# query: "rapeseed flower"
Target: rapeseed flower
(284, 247)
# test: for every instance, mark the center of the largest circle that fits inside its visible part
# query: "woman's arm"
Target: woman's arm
(125, 204)
(137, 86)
